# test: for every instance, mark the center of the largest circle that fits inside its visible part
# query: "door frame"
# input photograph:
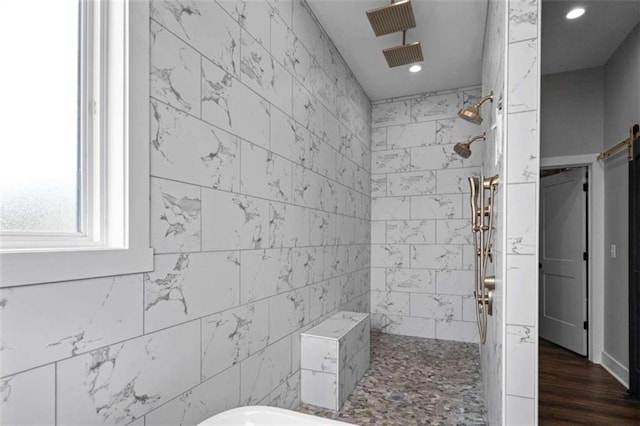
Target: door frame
(595, 224)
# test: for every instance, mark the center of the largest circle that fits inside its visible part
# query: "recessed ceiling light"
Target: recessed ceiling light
(415, 68)
(575, 13)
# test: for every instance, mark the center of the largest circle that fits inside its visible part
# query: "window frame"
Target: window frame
(115, 87)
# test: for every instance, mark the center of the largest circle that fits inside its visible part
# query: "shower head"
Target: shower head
(472, 113)
(463, 149)
(392, 18)
(403, 55)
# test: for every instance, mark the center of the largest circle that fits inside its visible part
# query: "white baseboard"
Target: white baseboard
(616, 369)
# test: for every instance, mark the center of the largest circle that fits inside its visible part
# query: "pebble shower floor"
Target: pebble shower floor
(415, 381)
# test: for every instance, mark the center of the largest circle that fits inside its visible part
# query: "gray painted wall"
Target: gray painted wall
(572, 112)
(621, 109)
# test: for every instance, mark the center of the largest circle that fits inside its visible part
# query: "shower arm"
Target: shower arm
(489, 97)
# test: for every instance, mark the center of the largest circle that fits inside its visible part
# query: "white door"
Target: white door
(563, 273)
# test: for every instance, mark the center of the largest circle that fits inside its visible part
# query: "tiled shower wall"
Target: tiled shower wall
(511, 71)
(260, 200)
(422, 254)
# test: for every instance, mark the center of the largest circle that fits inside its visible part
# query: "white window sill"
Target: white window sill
(44, 267)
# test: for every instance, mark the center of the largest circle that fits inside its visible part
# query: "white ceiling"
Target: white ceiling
(588, 41)
(451, 33)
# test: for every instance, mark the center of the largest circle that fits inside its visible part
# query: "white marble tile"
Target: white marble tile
(521, 360)
(390, 113)
(260, 72)
(186, 286)
(264, 273)
(378, 279)
(454, 231)
(323, 228)
(283, 10)
(264, 371)
(253, 16)
(345, 228)
(404, 325)
(390, 303)
(522, 237)
(390, 208)
(175, 71)
(189, 150)
(307, 110)
(520, 411)
(287, 395)
(309, 33)
(264, 174)
(455, 282)
(460, 331)
(434, 106)
(323, 298)
(307, 266)
(441, 157)
(411, 280)
(523, 76)
(232, 106)
(411, 183)
(469, 308)
(118, 383)
(455, 181)
(175, 216)
(523, 147)
(28, 398)
(411, 135)
(391, 161)
(378, 232)
(437, 306)
(322, 158)
(209, 398)
(46, 323)
(411, 232)
(454, 130)
(233, 221)
(288, 312)
(522, 290)
(441, 257)
(391, 256)
(231, 336)
(319, 389)
(289, 139)
(523, 19)
(319, 354)
(288, 225)
(205, 26)
(379, 139)
(447, 206)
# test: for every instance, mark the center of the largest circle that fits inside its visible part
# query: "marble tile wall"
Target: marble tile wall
(260, 205)
(511, 70)
(421, 252)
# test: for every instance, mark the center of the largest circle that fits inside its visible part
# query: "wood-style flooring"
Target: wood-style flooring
(573, 391)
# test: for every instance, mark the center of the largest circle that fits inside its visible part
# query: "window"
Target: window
(74, 147)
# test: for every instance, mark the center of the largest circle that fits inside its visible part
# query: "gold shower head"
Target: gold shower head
(472, 113)
(392, 18)
(403, 55)
(463, 149)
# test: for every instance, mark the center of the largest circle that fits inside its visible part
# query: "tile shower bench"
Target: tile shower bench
(335, 355)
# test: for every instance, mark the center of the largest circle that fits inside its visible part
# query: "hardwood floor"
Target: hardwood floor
(574, 391)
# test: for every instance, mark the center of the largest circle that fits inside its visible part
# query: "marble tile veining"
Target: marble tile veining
(415, 381)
